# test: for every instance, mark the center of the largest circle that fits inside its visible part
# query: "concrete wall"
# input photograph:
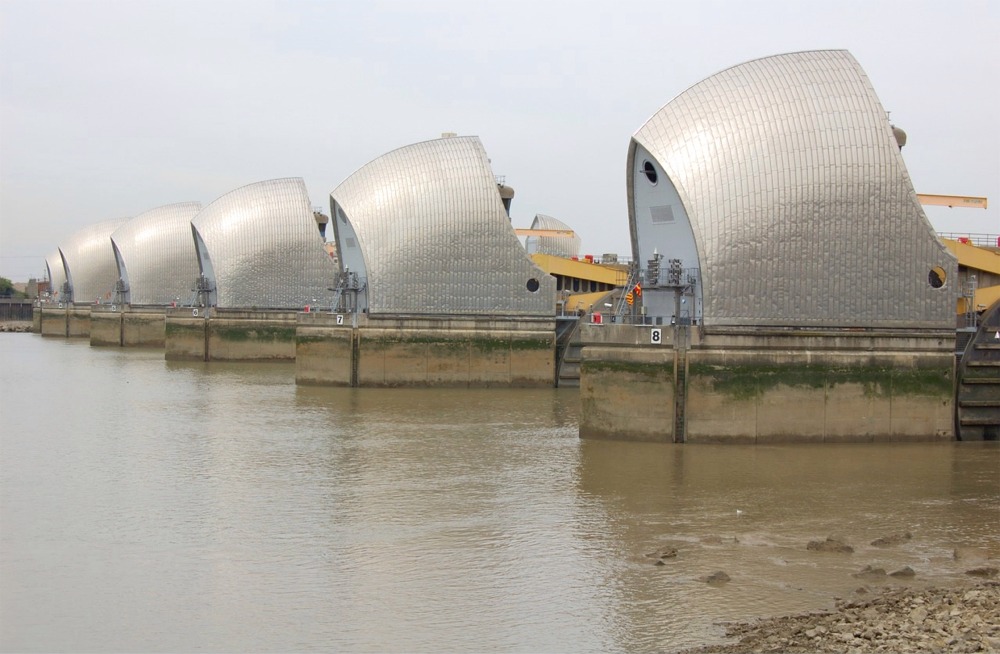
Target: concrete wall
(418, 351)
(754, 386)
(36, 320)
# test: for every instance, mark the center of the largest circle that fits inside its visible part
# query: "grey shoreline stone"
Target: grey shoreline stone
(831, 544)
(868, 572)
(662, 554)
(903, 620)
(718, 577)
(985, 571)
(894, 539)
(16, 327)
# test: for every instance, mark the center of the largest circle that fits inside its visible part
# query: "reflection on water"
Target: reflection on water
(152, 505)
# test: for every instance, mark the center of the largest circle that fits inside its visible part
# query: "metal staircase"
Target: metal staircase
(569, 351)
(622, 306)
(977, 401)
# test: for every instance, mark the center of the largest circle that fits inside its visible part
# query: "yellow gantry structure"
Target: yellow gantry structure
(984, 262)
(583, 282)
(557, 233)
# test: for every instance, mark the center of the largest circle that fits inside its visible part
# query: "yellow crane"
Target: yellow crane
(966, 201)
(558, 233)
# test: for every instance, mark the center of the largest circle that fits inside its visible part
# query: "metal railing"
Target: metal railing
(970, 238)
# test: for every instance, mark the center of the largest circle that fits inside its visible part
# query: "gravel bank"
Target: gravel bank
(897, 620)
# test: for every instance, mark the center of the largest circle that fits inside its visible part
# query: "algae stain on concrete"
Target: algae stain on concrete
(650, 370)
(480, 344)
(752, 382)
(177, 329)
(241, 335)
(500, 344)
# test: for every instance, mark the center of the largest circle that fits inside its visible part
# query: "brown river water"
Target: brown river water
(157, 506)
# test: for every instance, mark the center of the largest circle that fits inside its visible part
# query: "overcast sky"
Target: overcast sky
(113, 108)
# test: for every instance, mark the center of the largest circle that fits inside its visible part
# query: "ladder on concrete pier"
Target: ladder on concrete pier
(681, 336)
(680, 396)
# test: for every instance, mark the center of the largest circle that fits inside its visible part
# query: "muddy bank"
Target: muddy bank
(899, 620)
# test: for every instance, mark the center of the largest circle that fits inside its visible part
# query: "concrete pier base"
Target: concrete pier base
(325, 350)
(229, 335)
(53, 321)
(105, 326)
(144, 327)
(627, 394)
(78, 322)
(758, 386)
(128, 326)
(423, 351)
(185, 335)
(251, 335)
(67, 321)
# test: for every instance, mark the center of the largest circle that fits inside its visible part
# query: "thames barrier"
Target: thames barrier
(784, 282)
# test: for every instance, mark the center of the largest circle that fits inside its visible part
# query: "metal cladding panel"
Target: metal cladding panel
(57, 274)
(435, 236)
(801, 205)
(568, 246)
(90, 262)
(158, 255)
(264, 247)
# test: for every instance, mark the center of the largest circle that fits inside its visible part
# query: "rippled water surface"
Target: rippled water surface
(158, 506)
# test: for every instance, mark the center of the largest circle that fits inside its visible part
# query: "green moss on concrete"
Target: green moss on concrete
(513, 345)
(749, 382)
(489, 345)
(310, 340)
(176, 329)
(262, 333)
(929, 382)
(376, 343)
(480, 344)
(651, 370)
(532, 344)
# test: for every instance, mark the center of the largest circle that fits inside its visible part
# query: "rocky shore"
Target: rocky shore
(893, 620)
(15, 326)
